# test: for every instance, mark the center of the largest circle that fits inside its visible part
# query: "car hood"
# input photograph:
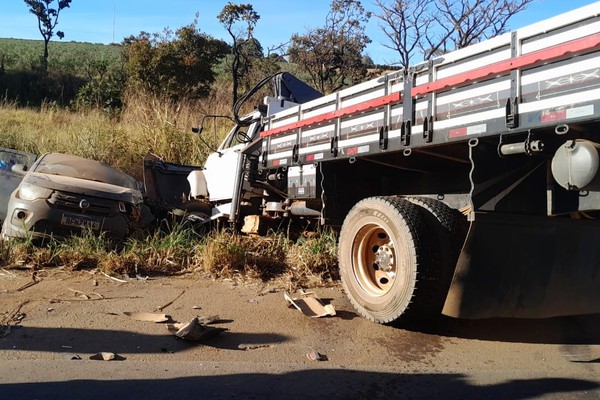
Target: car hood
(84, 187)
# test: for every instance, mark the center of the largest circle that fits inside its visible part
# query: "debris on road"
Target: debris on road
(148, 317)
(160, 308)
(310, 305)
(33, 281)
(194, 330)
(106, 356)
(253, 346)
(7, 273)
(87, 296)
(316, 356)
(15, 316)
(113, 278)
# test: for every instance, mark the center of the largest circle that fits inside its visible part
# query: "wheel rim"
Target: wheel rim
(374, 260)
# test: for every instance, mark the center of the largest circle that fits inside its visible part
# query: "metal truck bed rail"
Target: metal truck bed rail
(539, 76)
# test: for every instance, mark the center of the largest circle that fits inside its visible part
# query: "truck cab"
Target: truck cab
(201, 193)
(221, 189)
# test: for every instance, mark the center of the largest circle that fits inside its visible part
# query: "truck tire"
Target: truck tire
(453, 222)
(389, 256)
(450, 227)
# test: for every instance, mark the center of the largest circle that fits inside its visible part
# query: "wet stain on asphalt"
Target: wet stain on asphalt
(415, 347)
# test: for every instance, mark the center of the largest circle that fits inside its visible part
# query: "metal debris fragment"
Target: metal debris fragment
(87, 296)
(316, 356)
(106, 356)
(310, 305)
(195, 330)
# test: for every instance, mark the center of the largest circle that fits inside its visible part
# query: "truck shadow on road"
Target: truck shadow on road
(72, 340)
(580, 329)
(304, 384)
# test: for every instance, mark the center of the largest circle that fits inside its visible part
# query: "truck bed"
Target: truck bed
(540, 77)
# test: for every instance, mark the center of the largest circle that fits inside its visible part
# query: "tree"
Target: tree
(244, 46)
(332, 55)
(432, 27)
(47, 17)
(171, 65)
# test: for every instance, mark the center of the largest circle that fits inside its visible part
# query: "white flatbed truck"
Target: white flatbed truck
(507, 131)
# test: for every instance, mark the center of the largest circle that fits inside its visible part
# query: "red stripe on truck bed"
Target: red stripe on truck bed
(553, 53)
(457, 132)
(548, 54)
(342, 112)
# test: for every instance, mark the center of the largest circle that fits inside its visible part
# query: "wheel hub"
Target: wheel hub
(375, 260)
(384, 258)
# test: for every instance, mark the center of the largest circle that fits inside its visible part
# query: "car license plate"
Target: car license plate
(80, 222)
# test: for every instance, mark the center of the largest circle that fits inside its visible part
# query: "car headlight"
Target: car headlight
(30, 192)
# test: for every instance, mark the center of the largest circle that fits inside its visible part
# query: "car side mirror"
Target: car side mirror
(20, 169)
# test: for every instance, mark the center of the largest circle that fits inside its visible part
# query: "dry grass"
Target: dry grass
(226, 253)
(148, 124)
(220, 254)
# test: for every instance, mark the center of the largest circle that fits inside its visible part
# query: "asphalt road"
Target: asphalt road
(67, 317)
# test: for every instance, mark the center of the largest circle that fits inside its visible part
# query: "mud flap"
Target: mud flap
(526, 267)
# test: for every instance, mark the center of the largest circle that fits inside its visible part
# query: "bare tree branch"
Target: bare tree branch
(422, 29)
(332, 55)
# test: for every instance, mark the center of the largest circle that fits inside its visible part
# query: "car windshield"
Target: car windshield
(8, 158)
(83, 168)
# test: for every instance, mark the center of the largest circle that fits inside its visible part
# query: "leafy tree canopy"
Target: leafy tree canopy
(176, 65)
(47, 17)
(332, 55)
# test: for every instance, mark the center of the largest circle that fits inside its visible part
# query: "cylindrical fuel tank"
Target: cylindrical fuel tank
(575, 165)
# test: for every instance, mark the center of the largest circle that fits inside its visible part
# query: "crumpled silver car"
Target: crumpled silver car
(9, 180)
(61, 195)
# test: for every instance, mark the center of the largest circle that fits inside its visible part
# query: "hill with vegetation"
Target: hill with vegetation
(73, 57)
(72, 66)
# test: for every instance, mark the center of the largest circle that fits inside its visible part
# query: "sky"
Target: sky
(106, 21)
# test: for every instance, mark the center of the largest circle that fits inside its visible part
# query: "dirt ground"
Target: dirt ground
(65, 317)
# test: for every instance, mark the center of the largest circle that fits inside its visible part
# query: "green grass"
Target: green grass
(79, 59)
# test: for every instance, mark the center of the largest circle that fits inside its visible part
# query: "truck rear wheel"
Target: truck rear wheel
(450, 227)
(388, 251)
(453, 223)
